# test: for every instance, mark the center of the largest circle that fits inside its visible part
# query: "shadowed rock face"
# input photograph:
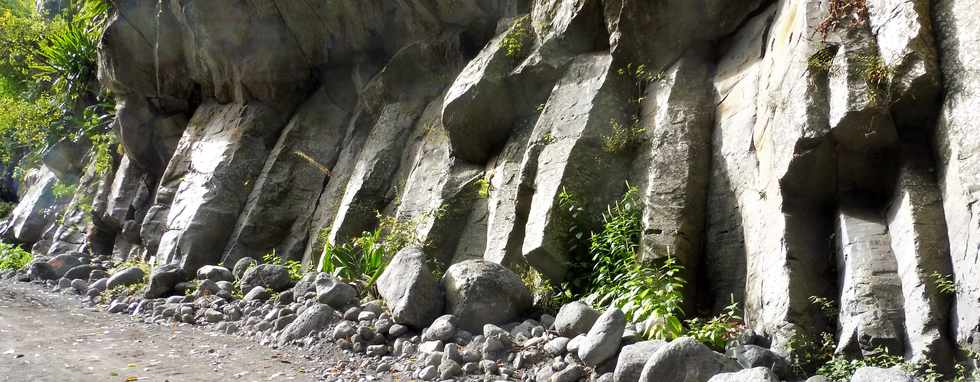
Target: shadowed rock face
(776, 159)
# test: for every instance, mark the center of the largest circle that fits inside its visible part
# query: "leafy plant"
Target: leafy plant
(624, 138)
(62, 190)
(841, 368)
(720, 329)
(826, 305)
(515, 40)
(547, 297)
(809, 353)
(944, 283)
(875, 72)
(484, 187)
(13, 258)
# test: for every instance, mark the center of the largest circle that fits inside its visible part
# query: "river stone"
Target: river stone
(243, 265)
(575, 318)
(333, 292)
(758, 374)
(79, 272)
(604, 338)
(271, 276)
(313, 319)
(62, 263)
(125, 277)
(480, 292)
(164, 279)
(257, 294)
(685, 360)
(633, 357)
(408, 288)
(876, 374)
(40, 270)
(753, 356)
(215, 273)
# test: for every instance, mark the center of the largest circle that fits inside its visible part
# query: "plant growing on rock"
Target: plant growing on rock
(624, 138)
(13, 258)
(808, 353)
(720, 329)
(944, 283)
(483, 187)
(822, 61)
(514, 42)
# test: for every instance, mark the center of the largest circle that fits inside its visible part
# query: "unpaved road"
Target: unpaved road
(46, 336)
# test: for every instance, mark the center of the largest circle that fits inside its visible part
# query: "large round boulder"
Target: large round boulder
(271, 276)
(410, 290)
(480, 292)
(575, 318)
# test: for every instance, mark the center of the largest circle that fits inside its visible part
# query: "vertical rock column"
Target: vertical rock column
(871, 313)
(918, 232)
(957, 25)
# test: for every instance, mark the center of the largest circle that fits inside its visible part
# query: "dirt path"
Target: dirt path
(46, 336)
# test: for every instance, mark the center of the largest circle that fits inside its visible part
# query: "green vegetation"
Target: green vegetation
(875, 73)
(6, 208)
(484, 187)
(944, 283)
(13, 258)
(515, 42)
(717, 331)
(48, 86)
(822, 61)
(294, 267)
(362, 260)
(826, 305)
(624, 138)
(62, 189)
(546, 297)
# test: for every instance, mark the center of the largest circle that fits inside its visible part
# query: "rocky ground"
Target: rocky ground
(50, 336)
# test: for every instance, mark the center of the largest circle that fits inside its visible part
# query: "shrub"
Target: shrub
(13, 258)
(717, 331)
(807, 353)
(515, 41)
(624, 138)
(644, 293)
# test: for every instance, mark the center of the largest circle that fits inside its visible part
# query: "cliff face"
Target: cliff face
(787, 149)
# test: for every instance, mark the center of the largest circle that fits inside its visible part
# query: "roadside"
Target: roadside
(47, 336)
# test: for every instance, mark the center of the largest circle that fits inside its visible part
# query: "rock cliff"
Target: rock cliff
(782, 149)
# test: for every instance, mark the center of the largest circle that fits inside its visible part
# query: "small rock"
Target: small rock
(377, 350)
(257, 294)
(334, 293)
(271, 276)
(126, 277)
(471, 368)
(575, 343)
(429, 373)
(352, 313)
(215, 273)
(557, 346)
(877, 374)
(117, 307)
(547, 320)
(79, 272)
(575, 318)
(212, 315)
(431, 346)
(366, 316)
(632, 358)
(313, 319)
(752, 356)
(489, 367)
(397, 330)
(570, 373)
(759, 374)
(345, 329)
(442, 329)
(449, 369)
(79, 285)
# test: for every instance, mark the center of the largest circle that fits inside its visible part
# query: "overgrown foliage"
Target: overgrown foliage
(717, 331)
(13, 257)
(515, 42)
(363, 259)
(944, 283)
(48, 86)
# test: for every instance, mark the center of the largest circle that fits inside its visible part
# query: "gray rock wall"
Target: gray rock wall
(778, 157)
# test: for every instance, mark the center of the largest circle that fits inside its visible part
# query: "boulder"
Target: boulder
(215, 273)
(603, 340)
(79, 272)
(758, 374)
(313, 319)
(243, 265)
(575, 318)
(62, 263)
(333, 292)
(633, 357)
(686, 360)
(480, 292)
(877, 374)
(409, 289)
(40, 270)
(257, 294)
(753, 356)
(163, 279)
(126, 277)
(271, 276)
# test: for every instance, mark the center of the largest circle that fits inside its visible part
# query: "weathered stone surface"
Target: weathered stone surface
(575, 318)
(758, 374)
(273, 277)
(754, 356)
(480, 292)
(333, 292)
(871, 313)
(215, 273)
(958, 168)
(125, 277)
(409, 289)
(62, 263)
(685, 360)
(313, 319)
(876, 374)
(633, 357)
(163, 279)
(242, 265)
(37, 210)
(577, 115)
(603, 340)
